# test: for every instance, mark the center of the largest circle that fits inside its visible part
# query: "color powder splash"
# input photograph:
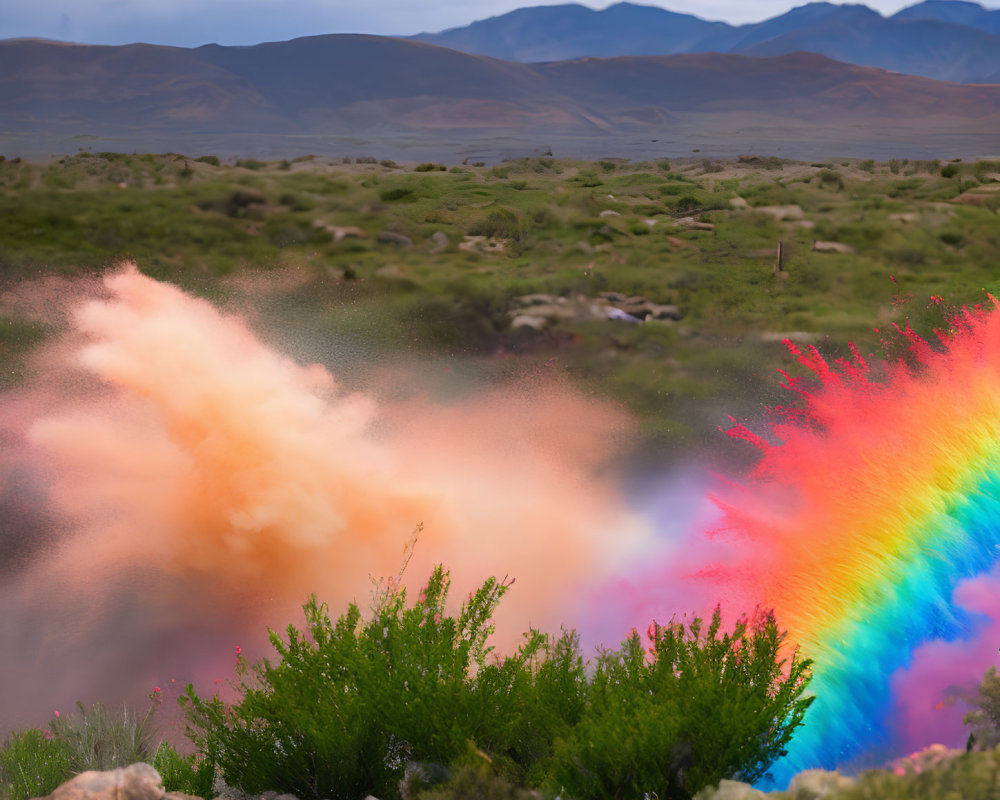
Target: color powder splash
(197, 486)
(871, 525)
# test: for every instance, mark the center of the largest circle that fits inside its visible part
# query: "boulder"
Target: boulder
(832, 247)
(135, 782)
(391, 237)
(440, 240)
(692, 224)
(342, 231)
(609, 213)
(730, 790)
(782, 212)
(816, 783)
(531, 321)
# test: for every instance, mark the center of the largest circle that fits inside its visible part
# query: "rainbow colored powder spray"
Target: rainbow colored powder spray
(872, 501)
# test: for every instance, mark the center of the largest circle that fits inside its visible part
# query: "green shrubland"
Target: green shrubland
(198, 221)
(365, 706)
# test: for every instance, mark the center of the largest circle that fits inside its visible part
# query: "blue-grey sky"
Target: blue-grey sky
(190, 23)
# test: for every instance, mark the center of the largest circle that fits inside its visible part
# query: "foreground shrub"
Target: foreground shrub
(32, 764)
(348, 706)
(193, 775)
(696, 708)
(984, 719)
(356, 708)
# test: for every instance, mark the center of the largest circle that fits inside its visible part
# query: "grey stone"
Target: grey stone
(391, 237)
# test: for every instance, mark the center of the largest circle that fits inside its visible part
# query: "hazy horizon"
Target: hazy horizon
(187, 23)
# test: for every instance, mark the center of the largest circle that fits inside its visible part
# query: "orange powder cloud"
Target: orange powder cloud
(207, 483)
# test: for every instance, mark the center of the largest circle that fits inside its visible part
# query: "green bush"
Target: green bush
(396, 194)
(190, 774)
(502, 223)
(354, 707)
(430, 167)
(702, 708)
(351, 703)
(950, 170)
(32, 764)
(213, 160)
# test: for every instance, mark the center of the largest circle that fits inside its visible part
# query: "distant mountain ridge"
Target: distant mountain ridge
(349, 85)
(948, 40)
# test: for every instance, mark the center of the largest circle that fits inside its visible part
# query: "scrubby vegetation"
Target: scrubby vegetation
(483, 238)
(358, 707)
(411, 699)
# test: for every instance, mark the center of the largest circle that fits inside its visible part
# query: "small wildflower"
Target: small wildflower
(56, 713)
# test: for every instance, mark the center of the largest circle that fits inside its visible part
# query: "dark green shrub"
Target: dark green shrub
(830, 176)
(704, 707)
(213, 160)
(950, 170)
(503, 223)
(388, 163)
(193, 774)
(251, 163)
(984, 719)
(430, 167)
(396, 194)
(686, 203)
(349, 704)
(32, 764)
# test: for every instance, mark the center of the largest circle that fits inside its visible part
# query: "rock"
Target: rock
(135, 782)
(614, 297)
(440, 240)
(979, 196)
(609, 213)
(832, 247)
(738, 202)
(391, 237)
(674, 242)
(532, 321)
(650, 222)
(694, 225)
(624, 316)
(730, 790)
(905, 218)
(480, 244)
(342, 231)
(642, 308)
(536, 299)
(818, 783)
(782, 212)
(272, 795)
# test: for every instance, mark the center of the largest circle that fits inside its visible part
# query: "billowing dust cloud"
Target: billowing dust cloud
(194, 486)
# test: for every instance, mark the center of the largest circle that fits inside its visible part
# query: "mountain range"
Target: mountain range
(390, 88)
(948, 40)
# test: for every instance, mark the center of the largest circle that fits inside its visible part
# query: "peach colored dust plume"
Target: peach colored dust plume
(238, 482)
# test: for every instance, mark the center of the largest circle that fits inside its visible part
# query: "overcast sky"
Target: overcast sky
(189, 23)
